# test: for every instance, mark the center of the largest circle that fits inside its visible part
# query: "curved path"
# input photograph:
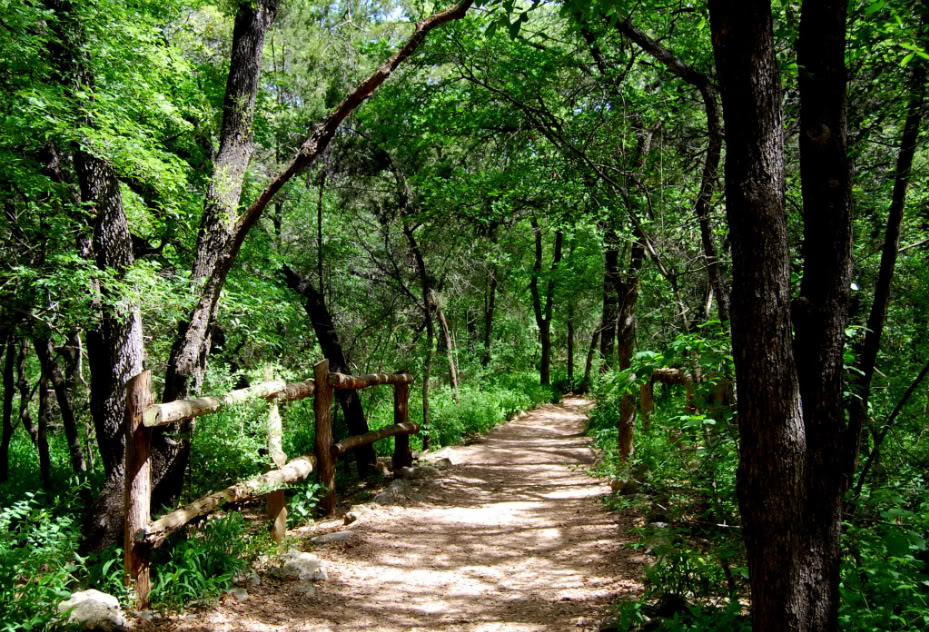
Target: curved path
(512, 536)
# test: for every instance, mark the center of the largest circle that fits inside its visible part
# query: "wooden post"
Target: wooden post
(137, 493)
(402, 455)
(325, 460)
(276, 500)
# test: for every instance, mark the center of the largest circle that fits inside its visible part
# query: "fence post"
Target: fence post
(137, 493)
(276, 500)
(325, 460)
(402, 455)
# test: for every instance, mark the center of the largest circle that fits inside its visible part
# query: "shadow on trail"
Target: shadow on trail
(511, 537)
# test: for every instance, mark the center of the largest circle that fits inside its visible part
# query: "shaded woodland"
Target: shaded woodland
(710, 218)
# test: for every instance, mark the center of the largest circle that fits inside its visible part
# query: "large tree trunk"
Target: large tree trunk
(794, 449)
(628, 291)
(218, 227)
(821, 313)
(8, 385)
(328, 340)
(115, 347)
(543, 314)
(43, 348)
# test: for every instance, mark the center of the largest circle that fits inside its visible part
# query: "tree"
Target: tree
(796, 452)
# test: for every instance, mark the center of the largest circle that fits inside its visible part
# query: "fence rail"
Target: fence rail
(142, 535)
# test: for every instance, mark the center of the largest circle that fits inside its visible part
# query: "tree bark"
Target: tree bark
(588, 365)
(115, 345)
(543, 315)
(447, 343)
(489, 312)
(8, 385)
(570, 325)
(611, 280)
(794, 449)
(45, 459)
(43, 349)
(628, 292)
(426, 286)
(25, 395)
(218, 228)
(328, 339)
(772, 472)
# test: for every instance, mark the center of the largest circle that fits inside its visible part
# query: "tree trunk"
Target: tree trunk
(822, 308)
(8, 386)
(872, 340)
(570, 325)
(794, 449)
(489, 313)
(588, 365)
(426, 285)
(40, 436)
(628, 291)
(772, 473)
(192, 343)
(43, 349)
(218, 230)
(45, 460)
(611, 280)
(328, 339)
(711, 163)
(446, 342)
(543, 315)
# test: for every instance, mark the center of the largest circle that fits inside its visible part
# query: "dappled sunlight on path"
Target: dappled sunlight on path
(511, 537)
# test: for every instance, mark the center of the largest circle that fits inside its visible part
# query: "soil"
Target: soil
(512, 536)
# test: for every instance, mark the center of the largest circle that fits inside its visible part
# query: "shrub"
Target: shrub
(38, 566)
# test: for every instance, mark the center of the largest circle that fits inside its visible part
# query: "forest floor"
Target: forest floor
(512, 536)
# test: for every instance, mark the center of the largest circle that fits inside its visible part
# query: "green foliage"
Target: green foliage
(884, 571)
(302, 501)
(38, 564)
(202, 567)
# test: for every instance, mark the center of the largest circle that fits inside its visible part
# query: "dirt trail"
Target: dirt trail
(511, 537)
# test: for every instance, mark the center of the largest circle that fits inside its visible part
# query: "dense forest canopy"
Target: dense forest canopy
(498, 197)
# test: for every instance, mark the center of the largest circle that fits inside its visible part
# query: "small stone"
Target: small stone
(329, 538)
(350, 517)
(146, 615)
(93, 610)
(406, 472)
(385, 498)
(658, 525)
(301, 566)
(398, 486)
(307, 590)
(240, 594)
(443, 463)
(426, 471)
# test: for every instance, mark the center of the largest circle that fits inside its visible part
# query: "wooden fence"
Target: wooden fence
(142, 535)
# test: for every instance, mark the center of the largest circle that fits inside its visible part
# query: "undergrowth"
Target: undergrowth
(681, 479)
